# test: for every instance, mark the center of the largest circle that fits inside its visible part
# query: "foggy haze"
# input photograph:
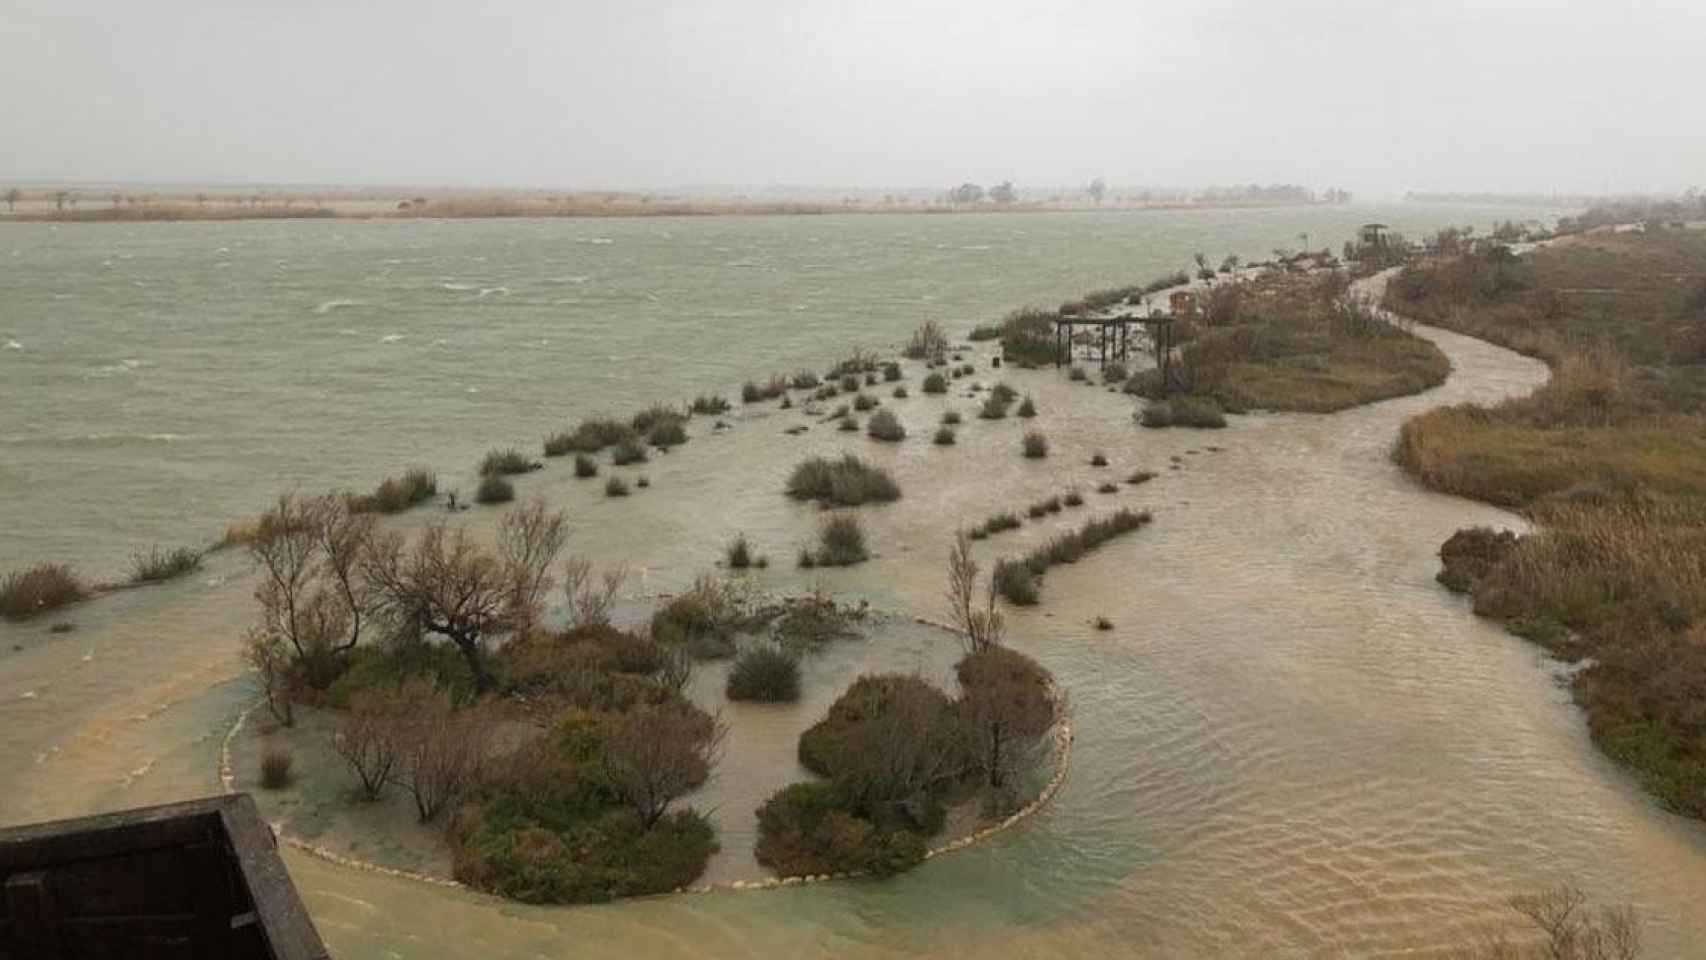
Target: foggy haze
(1378, 98)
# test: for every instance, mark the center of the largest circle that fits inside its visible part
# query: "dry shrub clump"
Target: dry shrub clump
(43, 587)
(847, 482)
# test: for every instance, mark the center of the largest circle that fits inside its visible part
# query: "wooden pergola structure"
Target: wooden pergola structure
(1109, 338)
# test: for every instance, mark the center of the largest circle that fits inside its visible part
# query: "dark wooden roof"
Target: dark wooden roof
(185, 880)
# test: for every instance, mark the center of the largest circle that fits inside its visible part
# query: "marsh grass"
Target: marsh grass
(944, 437)
(38, 589)
(764, 673)
(1183, 411)
(935, 383)
(395, 494)
(616, 487)
(589, 436)
(585, 466)
(506, 462)
(1027, 407)
(847, 482)
(885, 426)
(713, 404)
(841, 542)
(863, 402)
(951, 418)
(1019, 581)
(628, 450)
(158, 565)
(739, 553)
(1035, 445)
(993, 408)
(494, 489)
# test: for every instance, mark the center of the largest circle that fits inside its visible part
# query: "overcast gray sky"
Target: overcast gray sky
(1378, 97)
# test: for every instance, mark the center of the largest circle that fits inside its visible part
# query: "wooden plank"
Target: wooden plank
(289, 932)
(35, 918)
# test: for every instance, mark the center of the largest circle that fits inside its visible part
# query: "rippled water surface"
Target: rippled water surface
(1294, 743)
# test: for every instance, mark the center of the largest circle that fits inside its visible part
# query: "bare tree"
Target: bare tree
(906, 745)
(656, 754)
(1573, 932)
(1005, 701)
(590, 600)
(446, 585)
(442, 751)
(368, 742)
(59, 198)
(13, 195)
(982, 625)
(529, 539)
(311, 594)
(270, 657)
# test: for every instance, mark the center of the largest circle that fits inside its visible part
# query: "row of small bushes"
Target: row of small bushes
(1018, 581)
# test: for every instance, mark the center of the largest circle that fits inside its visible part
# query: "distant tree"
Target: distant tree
(966, 193)
(1003, 192)
(59, 198)
(1097, 190)
(12, 197)
(201, 199)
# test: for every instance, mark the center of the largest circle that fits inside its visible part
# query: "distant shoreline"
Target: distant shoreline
(514, 208)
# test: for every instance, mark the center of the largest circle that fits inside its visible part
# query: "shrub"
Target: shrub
(928, 342)
(1073, 499)
(585, 466)
(42, 587)
(900, 393)
(847, 482)
(648, 419)
(841, 542)
(1004, 393)
(1140, 477)
(1098, 459)
(704, 619)
(1076, 373)
(1108, 487)
(849, 383)
(849, 424)
(494, 489)
(396, 494)
(712, 404)
(984, 331)
(1183, 411)
(500, 463)
(804, 380)
(944, 437)
(863, 402)
(891, 371)
(616, 487)
(1014, 582)
(666, 434)
(951, 418)
(935, 383)
(765, 674)
(751, 392)
(590, 436)
(1028, 408)
(886, 426)
(807, 559)
(159, 565)
(1001, 522)
(1036, 445)
(275, 769)
(1114, 373)
(628, 450)
(808, 828)
(870, 379)
(1103, 623)
(739, 553)
(993, 408)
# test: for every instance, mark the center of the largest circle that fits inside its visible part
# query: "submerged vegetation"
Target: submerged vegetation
(396, 494)
(43, 587)
(848, 482)
(1017, 580)
(1609, 460)
(158, 565)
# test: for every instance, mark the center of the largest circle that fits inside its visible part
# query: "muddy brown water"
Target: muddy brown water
(1293, 743)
